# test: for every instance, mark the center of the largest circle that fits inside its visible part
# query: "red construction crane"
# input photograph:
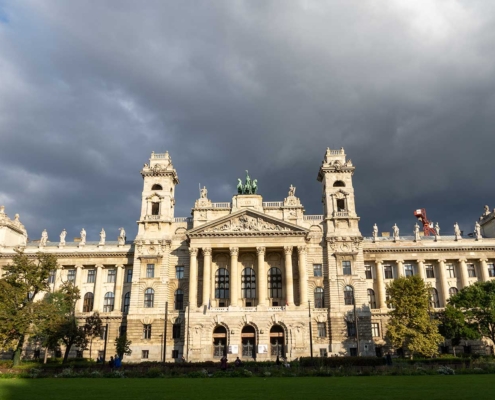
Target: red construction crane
(427, 225)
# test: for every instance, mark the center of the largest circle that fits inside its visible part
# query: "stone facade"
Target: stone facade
(252, 278)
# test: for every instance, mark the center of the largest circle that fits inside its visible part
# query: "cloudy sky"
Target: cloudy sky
(89, 88)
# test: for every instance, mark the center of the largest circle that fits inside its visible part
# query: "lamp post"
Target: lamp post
(310, 330)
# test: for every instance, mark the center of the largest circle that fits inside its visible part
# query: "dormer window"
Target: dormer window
(157, 187)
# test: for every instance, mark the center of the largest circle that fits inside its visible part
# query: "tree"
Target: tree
(454, 326)
(122, 346)
(410, 325)
(92, 327)
(20, 314)
(64, 327)
(477, 304)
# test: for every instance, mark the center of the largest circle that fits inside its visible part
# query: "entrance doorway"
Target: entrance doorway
(219, 341)
(248, 338)
(277, 341)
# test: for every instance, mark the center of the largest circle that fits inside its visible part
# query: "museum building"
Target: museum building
(250, 278)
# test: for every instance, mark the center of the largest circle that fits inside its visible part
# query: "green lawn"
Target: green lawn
(477, 387)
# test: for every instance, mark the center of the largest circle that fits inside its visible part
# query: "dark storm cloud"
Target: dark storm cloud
(89, 89)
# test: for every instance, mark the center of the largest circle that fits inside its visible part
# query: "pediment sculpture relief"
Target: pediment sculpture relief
(246, 223)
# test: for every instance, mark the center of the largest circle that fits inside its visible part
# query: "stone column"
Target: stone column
(400, 268)
(484, 270)
(234, 277)
(58, 279)
(444, 290)
(421, 269)
(289, 281)
(463, 273)
(98, 301)
(382, 296)
(206, 275)
(77, 283)
(193, 277)
(262, 278)
(303, 276)
(119, 283)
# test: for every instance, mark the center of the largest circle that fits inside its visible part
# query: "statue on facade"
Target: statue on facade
(121, 238)
(249, 187)
(83, 237)
(204, 193)
(254, 186)
(395, 232)
(477, 231)
(375, 232)
(292, 190)
(437, 231)
(239, 186)
(44, 238)
(457, 232)
(417, 238)
(103, 236)
(487, 211)
(63, 234)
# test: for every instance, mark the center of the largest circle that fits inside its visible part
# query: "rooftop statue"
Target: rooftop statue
(103, 236)
(121, 238)
(204, 193)
(63, 234)
(44, 238)
(249, 187)
(83, 237)
(292, 190)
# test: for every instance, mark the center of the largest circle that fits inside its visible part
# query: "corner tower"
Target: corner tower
(338, 195)
(158, 197)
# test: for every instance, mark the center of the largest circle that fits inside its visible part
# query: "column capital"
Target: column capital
(78, 266)
(302, 249)
(206, 251)
(462, 260)
(483, 260)
(193, 251)
(120, 266)
(260, 251)
(421, 260)
(99, 266)
(234, 251)
(441, 260)
(399, 261)
(288, 250)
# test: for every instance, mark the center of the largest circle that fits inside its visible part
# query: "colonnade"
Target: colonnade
(261, 280)
(440, 274)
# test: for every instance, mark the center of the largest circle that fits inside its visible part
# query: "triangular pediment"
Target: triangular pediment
(248, 222)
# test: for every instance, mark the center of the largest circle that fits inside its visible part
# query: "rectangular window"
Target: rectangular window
(71, 275)
(179, 272)
(176, 331)
(323, 353)
(322, 329)
(367, 272)
(450, 271)
(103, 332)
(388, 272)
(175, 353)
(346, 267)
(429, 271)
(91, 275)
(147, 331)
(375, 329)
(408, 270)
(51, 277)
(351, 329)
(150, 271)
(353, 352)
(317, 271)
(471, 271)
(112, 275)
(145, 354)
(128, 276)
(491, 270)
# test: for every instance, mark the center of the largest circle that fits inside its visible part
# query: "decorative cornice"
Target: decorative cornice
(76, 255)
(426, 249)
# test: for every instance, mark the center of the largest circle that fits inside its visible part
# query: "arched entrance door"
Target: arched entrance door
(248, 337)
(277, 341)
(219, 341)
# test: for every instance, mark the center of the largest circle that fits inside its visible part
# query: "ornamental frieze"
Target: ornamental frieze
(245, 223)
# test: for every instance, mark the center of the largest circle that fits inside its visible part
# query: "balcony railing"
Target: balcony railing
(341, 213)
(269, 204)
(153, 217)
(183, 219)
(313, 217)
(221, 205)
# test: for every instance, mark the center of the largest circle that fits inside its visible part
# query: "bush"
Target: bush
(445, 371)
(335, 362)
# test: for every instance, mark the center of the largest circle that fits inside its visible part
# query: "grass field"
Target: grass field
(477, 387)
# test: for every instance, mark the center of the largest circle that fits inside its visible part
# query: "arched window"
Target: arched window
(348, 295)
(338, 184)
(149, 298)
(155, 208)
(435, 302)
(453, 291)
(156, 186)
(222, 284)
(178, 299)
(108, 302)
(371, 299)
(219, 341)
(88, 302)
(319, 298)
(248, 283)
(127, 302)
(274, 283)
